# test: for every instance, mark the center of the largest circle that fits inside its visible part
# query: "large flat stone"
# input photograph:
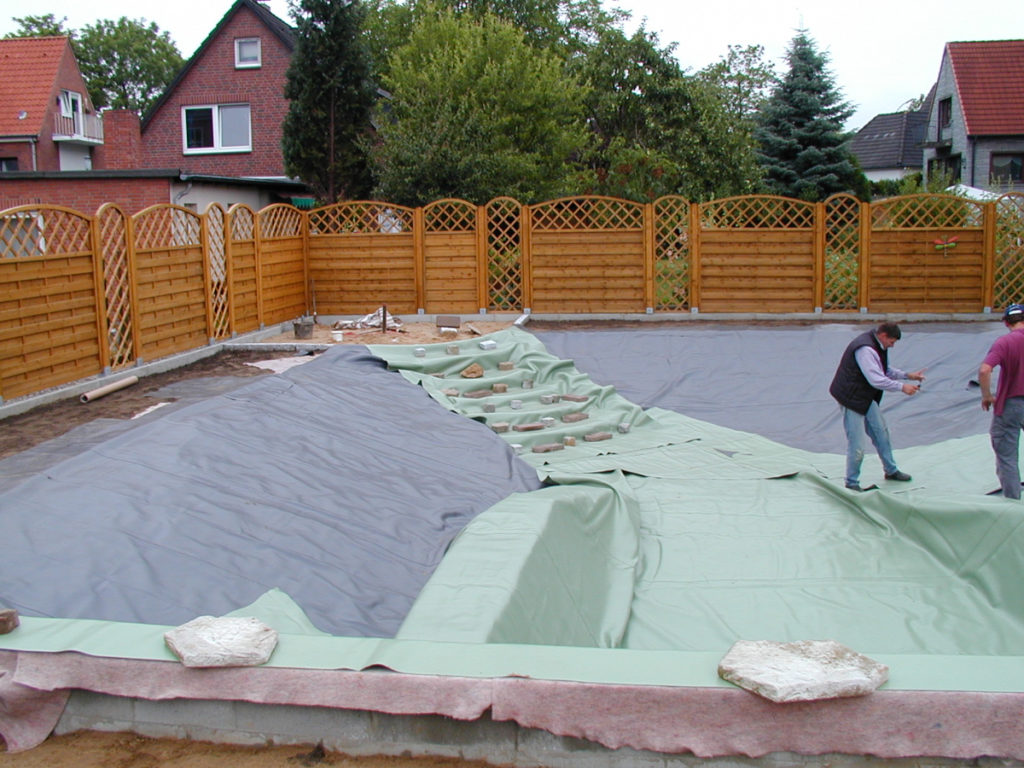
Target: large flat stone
(226, 641)
(805, 670)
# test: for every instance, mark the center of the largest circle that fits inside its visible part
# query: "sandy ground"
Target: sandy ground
(91, 749)
(124, 750)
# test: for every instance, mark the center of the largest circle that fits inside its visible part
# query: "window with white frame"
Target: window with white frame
(216, 128)
(248, 54)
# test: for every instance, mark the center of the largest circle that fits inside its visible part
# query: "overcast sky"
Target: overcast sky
(882, 52)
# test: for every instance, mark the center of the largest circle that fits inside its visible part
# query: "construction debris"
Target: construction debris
(372, 320)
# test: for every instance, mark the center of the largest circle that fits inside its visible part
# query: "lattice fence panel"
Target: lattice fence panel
(243, 223)
(504, 255)
(842, 252)
(757, 212)
(926, 212)
(112, 225)
(360, 218)
(449, 216)
(280, 220)
(217, 264)
(672, 254)
(166, 226)
(43, 231)
(1009, 268)
(587, 213)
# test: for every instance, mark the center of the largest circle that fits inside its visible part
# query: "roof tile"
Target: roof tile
(28, 70)
(989, 78)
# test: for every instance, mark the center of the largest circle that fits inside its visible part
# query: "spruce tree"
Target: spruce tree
(331, 96)
(803, 147)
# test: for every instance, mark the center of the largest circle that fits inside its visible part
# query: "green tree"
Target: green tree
(656, 130)
(126, 63)
(475, 113)
(46, 25)
(804, 150)
(332, 98)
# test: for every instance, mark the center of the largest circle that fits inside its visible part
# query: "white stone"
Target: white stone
(805, 670)
(488, 344)
(210, 641)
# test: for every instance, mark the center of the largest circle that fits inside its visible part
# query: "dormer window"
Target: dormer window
(247, 53)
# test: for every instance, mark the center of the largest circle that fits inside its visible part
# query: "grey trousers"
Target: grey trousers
(1005, 433)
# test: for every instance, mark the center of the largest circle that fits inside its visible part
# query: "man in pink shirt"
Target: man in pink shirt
(1007, 354)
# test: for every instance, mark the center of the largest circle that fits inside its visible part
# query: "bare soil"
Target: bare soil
(90, 749)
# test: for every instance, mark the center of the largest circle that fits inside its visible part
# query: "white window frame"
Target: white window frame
(217, 147)
(241, 63)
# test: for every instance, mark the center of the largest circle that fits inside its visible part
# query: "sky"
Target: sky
(882, 52)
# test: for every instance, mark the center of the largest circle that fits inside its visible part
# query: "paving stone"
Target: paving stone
(575, 398)
(476, 394)
(474, 371)
(515, 405)
(547, 447)
(568, 441)
(595, 437)
(450, 391)
(571, 418)
(548, 421)
(506, 365)
(527, 383)
(500, 426)
(624, 427)
(531, 427)
(488, 407)
(8, 620)
(451, 349)
(420, 352)
(488, 344)
(500, 388)
(548, 399)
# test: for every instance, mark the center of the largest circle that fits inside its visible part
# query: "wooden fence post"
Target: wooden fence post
(863, 276)
(204, 249)
(305, 259)
(482, 260)
(99, 285)
(418, 258)
(694, 257)
(819, 257)
(526, 219)
(988, 269)
(229, 275)
(649, 224)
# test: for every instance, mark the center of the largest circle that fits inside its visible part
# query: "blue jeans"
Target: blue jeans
(1005, 434)
(857, 426)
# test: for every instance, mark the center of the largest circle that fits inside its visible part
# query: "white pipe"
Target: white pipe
(113, 386)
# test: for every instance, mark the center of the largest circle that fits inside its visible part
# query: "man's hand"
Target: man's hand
(911, 389)
(987, 398)
(917, 375)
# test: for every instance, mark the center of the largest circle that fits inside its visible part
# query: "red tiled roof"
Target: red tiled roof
(28, 70)
(990, 84)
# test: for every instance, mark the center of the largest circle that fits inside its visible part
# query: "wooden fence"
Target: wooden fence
(84, 294)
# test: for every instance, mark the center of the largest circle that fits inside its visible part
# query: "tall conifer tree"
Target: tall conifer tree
(331, 97)
(803, 147)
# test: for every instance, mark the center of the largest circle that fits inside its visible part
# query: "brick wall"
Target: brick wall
(212, 79)
(86, 195)
(122, 142)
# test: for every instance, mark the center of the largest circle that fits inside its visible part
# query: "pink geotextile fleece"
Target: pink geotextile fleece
(714, 722)
(26, 715)
(708, 722)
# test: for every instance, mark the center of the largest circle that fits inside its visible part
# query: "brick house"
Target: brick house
(47, 121)
(976, 124)
(222, 115)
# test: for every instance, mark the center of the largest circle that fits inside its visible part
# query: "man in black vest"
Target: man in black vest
(863, 375)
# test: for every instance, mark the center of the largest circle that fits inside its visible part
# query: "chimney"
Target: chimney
(122, 142)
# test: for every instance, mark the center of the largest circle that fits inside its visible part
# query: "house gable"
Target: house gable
(234, 112)
(33, 73)
(890, 144)
(989, 79)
